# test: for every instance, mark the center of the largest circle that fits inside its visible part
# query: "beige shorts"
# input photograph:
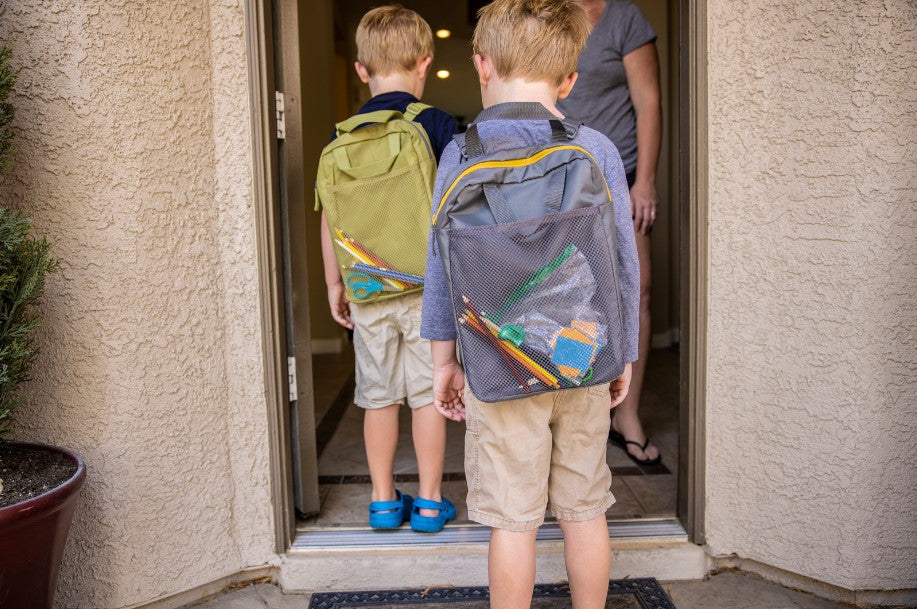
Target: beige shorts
(393, 363)
(546, 451)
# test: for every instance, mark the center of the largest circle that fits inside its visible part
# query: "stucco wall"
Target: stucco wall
(133, 154)
(813, 265)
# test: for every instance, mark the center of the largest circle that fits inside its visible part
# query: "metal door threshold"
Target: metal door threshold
(669, 529)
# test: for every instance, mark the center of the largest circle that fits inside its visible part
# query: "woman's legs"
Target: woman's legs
(625, 418)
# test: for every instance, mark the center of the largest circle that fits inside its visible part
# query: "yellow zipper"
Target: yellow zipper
(515, 163)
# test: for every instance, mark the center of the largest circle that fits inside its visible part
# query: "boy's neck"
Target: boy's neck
(499, 91)
(397, 81)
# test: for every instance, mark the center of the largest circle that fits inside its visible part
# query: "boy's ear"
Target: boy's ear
(484, 67)
(423, 66)
(362, 72)
(567, 85)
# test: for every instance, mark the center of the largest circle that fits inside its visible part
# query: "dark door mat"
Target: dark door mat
(639, 593)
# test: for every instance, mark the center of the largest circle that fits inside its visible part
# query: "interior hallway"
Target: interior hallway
(641, 492)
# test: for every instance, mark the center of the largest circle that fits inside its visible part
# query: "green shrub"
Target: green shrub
(24, 262)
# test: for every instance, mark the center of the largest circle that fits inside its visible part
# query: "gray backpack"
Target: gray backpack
(527, 241)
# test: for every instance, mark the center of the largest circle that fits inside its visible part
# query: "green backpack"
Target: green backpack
(375, 184)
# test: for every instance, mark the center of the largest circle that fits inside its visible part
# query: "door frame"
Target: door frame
(692, 189)
(265, 189)
(693, 196)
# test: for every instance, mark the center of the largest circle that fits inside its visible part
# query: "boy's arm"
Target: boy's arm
(628, 263)
(337, 300)
(438, 319)
(448, 380)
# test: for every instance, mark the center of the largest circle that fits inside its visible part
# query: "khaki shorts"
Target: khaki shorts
(546, 451)
(393, 363)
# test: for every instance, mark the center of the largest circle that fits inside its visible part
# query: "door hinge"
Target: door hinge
(281, 116)
(291, 378)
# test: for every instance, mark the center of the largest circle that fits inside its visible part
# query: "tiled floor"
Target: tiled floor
(343, 472)
(330, 372)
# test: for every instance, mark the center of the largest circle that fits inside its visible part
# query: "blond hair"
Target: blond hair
(536, 40)
(392, 39)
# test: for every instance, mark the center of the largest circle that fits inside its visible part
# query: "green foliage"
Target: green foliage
(24, 263)
(7, 78)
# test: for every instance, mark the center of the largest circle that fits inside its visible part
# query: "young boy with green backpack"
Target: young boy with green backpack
(374, 185)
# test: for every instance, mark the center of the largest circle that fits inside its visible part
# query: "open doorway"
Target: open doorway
(341, 473)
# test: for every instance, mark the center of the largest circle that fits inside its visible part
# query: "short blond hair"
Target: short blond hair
(392, 39)
(536, 40)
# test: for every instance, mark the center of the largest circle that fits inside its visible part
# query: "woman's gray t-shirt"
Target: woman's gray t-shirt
(600, 98)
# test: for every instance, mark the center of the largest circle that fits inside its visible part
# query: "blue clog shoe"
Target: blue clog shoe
(431, 524)
(390, 514)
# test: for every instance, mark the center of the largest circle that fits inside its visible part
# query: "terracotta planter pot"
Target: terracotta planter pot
(32, 538)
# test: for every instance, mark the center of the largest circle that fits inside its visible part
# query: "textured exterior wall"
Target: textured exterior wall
(811, 464)
(133, 154)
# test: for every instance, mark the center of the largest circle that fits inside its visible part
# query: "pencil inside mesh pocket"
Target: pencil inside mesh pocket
(533, 305)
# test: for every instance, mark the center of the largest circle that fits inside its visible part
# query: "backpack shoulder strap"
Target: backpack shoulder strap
(471, 146)
(413, 109)
(379, 116)
(459, 139)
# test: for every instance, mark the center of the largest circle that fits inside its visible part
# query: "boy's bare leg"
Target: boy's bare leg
(428, 428)
(511, 568)
(587, 553)
(380, 434)
(626, 418)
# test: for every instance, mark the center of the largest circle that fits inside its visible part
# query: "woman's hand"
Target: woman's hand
(643, 205)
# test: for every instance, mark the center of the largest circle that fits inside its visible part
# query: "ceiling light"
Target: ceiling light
(443, 73)
(443, 33)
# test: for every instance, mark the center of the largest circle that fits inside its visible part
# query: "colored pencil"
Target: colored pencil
(495, 330)
(362, 258)
(548, 369)
(388, 273)
(532, 365)
(524, 361)
(472, 323)
(368, 257)
(527, 362)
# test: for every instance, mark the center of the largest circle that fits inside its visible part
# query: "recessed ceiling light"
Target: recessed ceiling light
(443, 73)
(443, 33)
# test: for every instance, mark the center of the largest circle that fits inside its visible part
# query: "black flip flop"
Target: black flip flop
(621, 441)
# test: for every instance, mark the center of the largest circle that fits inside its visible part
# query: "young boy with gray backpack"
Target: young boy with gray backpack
(374, 185)
(533, 275)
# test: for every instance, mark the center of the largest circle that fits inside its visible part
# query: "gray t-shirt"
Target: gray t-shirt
(600, 98)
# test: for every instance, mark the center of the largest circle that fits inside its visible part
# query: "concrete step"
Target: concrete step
(457, 556)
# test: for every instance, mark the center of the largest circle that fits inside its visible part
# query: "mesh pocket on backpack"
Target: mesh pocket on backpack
(388, 218)
(537, 304)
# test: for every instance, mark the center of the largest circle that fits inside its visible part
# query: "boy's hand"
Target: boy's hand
(619, 387)
(340, 308)
(448, 385)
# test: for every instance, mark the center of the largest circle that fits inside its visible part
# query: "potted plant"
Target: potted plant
(39, 484)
